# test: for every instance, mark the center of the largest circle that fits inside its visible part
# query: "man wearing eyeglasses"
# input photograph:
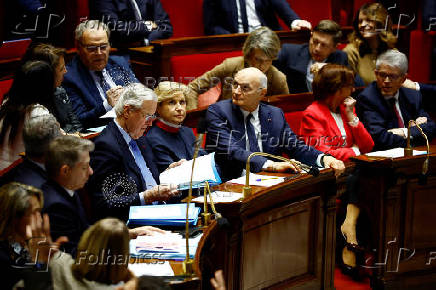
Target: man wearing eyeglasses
(386, 108)
(94, 79)
(124, 170)
(243, 125)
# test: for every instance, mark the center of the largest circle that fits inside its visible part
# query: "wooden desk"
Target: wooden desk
(403, 214)
(280, 237)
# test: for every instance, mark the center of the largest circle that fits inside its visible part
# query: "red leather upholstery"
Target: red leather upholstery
(419, 55)
(294, 120)
(4, 88)
(14, 49)
(312, 11)
(185, 16)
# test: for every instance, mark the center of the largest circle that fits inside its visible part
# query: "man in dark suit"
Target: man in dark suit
(386, 108)
(299, 61)
(242, 125)
(37, 133)
(238, 16)
(133, 20)
(125, 173)
(68, 169)
(94, 80)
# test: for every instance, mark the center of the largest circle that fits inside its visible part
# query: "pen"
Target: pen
(261, 179)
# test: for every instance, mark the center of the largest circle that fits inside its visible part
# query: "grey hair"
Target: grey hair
(134, 95)
(263, 81)
(265, 39)
(393, 58)
(90, 24)
(38, 132)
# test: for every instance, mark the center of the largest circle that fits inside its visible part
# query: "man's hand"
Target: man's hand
(300, 24)
(218, 282)
(409, 84)
(282, 167)
(175, 164)
(113, 94)
(421, 120)
(160, 193)
(397, 131)
(145, 231)
(337, 165)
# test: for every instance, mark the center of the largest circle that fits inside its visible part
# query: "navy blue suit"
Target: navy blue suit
(66, 213)
(110, 157)
(221, 16)
(378, 117)
(26, 172)
(119, 13)
(226, 136)
(83, 93)
(293, 60)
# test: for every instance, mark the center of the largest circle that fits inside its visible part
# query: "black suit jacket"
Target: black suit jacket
(226, 136)
(293, 60)
(26, 172)
(110, 159)
(378, 117)
(221, 16)
(66, 213)
(119, 14)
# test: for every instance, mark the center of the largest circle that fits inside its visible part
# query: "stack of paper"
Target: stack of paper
(204, 170)
(162, 215)
(161, 268)
(163, 246)
(394, 153)
(220, 197)
(259, 180)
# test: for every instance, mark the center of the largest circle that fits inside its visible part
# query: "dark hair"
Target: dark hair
(33, 83)
(331, 78)
(331, 28)
(152, 283)
(377, 13)
(45, 52)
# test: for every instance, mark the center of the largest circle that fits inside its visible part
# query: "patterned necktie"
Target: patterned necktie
(252, 140)
(139, 160)
(102, 81)
(243, 8)
(392, 101)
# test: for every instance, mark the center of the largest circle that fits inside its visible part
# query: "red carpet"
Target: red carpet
(343, 282)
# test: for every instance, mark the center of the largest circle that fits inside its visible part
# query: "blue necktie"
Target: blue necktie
(139, 160)
(244, 18)
(252, 140)
(103, 83)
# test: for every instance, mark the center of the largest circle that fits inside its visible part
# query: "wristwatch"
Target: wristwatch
(354, 122)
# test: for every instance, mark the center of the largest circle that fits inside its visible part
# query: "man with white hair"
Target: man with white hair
(243, 125)
(386, 108)
(124, 171)
(94, 80)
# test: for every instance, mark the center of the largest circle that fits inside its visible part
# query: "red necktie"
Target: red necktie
(397, 113)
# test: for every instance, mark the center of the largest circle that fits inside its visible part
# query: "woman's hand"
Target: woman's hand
(349, 104)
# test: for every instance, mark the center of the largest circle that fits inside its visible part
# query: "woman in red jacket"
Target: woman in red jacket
(331, 125)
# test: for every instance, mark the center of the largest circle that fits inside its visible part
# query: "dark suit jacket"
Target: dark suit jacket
(221, 16)
(120, 13)
(26, 172)
(66, 213)
(110, 157)
(293, 60)
(83, 93)
(226, 136)
(377, 116)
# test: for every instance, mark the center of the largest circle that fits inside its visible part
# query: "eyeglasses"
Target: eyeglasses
(245, 88)
(149, 118)
(392, 77)
(94, 48)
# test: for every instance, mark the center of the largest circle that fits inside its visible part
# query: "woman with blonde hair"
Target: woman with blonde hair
(169, 140)
(101, 261)
(371, 37)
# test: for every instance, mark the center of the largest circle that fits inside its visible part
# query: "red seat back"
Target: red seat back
(14, 48)
(316, 11)
(294, 120)
(185, 16)
(4, 88)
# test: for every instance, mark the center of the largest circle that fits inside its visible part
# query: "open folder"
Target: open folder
(162, 215)
(204, 170)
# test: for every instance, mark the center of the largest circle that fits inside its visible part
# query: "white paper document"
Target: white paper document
(259, 180)
(220, 197)
(109, 114)
(157, 268)
(204, 170)
(394, 153)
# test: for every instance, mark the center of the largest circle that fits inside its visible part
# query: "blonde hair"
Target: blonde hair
(14, 203)
(167, 90)
(103, 252)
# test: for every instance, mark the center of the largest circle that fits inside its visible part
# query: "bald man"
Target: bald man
(243, 125)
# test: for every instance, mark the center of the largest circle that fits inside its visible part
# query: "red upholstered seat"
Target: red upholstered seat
(4, 88)
(14, 48)
(294, 120)
(314, 12)
(419, 55)
(185, 16)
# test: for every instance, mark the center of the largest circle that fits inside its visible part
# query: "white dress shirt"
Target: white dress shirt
(109, 81)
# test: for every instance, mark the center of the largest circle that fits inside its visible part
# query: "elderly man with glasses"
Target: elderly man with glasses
(386, 108)
(94, 79)
(125, 173)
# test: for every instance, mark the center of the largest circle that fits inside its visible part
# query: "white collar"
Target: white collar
(125, 135)
(255, 113)
(169, 124)
(70, 192)
(396, 96)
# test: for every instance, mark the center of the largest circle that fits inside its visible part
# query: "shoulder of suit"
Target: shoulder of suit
(234, 61)
(275, 73)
